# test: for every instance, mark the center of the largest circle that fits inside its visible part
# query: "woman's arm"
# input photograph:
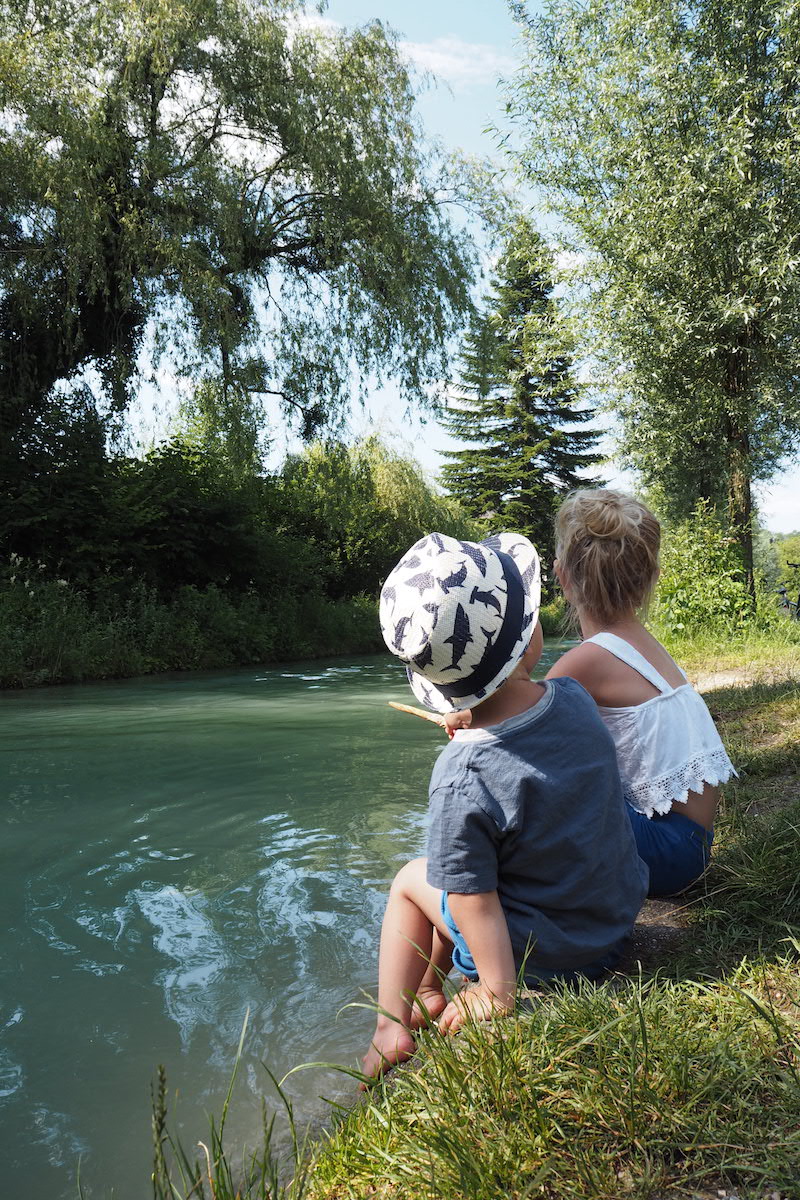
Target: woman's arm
(482, 922)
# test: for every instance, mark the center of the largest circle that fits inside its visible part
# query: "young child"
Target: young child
(531, 860)
(670, 755)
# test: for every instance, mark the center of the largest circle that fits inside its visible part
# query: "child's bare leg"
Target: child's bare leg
(407, 944)
(430, 992)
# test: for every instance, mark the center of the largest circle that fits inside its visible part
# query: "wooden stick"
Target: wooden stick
(418, 712)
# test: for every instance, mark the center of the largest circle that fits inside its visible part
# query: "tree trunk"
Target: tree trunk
(740, 507)
(737, 436)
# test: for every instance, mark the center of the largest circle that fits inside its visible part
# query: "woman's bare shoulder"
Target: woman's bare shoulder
(581, 662)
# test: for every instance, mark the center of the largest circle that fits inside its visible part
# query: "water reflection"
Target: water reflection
(178, 851)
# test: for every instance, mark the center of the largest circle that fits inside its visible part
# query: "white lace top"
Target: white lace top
(667, 746)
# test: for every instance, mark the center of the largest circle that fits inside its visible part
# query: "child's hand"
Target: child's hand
(474, 1003)
(457, 720)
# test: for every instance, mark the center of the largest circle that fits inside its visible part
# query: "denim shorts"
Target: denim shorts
(464, 962)
(675, 848)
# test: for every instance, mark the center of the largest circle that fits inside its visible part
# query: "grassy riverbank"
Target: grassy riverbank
(51, 634)
(679, 1078)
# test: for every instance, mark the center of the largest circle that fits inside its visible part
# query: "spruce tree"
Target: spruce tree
(518, 407)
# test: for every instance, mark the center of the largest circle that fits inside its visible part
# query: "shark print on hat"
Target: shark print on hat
(423, 581)
(477, 555)
(461, 636)
(455, 580)
(487, 598)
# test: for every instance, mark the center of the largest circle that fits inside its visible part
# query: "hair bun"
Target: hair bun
(605, 517)
(607, 545)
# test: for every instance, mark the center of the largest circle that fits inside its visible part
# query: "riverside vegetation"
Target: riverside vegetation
(678, 1077)
(202, 567)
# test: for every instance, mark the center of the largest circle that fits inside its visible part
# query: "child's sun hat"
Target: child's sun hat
(460, 615)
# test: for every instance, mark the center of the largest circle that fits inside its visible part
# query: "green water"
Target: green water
(177, 850)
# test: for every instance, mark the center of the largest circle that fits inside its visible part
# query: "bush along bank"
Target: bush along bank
(173, 562)
(53, 633)
(677, 1078)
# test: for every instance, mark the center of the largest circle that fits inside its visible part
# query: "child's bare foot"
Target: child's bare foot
(431, 1001)
(391, 1044)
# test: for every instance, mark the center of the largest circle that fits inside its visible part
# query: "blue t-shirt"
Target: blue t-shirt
(533, 808)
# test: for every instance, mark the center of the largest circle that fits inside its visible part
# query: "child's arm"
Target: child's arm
(482, 922)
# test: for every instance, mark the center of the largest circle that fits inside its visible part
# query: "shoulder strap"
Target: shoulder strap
(630, 655)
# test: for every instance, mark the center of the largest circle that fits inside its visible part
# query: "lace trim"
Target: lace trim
(658, 795)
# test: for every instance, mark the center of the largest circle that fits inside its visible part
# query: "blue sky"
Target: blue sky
(469, 45)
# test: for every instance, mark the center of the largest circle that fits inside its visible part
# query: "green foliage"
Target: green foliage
(518, 404)
(224, 423)
(553, 617)
(665, 136)
(701, 585)
(787, 550)
(177, 561)
(362, 506)
(52, 633)
(248, 190)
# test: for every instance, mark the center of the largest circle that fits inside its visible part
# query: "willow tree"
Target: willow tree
(517, 405)
(666, 135)
(223, 182)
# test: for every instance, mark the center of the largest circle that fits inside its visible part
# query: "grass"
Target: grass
(760, 652)
(599, 1092)
(662, 1084)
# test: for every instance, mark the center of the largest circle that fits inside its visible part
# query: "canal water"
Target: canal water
(177, 850)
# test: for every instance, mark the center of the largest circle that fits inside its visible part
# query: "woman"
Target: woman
(670, 756)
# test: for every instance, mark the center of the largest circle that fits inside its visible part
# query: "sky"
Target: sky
(469, 46)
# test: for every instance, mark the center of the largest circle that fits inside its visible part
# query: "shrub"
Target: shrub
(50, 633)
(701, 587)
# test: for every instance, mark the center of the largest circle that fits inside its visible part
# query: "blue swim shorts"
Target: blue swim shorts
(675, 849)
(464, 962)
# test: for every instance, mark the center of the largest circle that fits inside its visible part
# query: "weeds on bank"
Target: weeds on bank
(647, 1090)
(211, 1174)
(51, 633)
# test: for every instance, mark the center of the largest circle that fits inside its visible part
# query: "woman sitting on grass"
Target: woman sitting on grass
(670, 755)
(532, 866)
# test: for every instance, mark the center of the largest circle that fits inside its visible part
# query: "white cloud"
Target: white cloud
(461, 64)
(313, 20)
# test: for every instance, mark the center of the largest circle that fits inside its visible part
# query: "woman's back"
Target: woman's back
(668, 750)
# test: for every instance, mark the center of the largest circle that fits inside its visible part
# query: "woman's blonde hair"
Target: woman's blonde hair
(608, 545)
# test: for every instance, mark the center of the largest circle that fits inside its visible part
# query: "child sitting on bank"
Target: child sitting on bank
(532, 867)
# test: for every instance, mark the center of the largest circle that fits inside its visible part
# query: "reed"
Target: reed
(212, 1173)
